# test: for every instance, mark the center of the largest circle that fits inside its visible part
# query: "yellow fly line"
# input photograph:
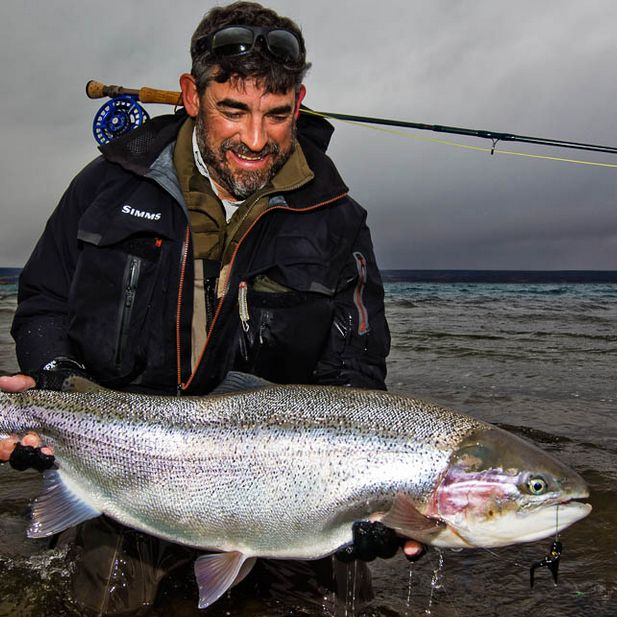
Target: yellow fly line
(97, 90)
(445, 142)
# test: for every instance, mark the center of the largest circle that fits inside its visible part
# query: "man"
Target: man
(219, 238)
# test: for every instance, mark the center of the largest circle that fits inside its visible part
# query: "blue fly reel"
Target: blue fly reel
(117, 117)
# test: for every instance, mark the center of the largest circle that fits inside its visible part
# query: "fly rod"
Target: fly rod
(97, 90)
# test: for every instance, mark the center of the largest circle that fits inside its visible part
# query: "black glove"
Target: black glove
(53, 374)
(372, 540)
(50, 377)
(24, 457)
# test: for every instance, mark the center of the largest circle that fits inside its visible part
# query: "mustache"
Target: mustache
(242, 149)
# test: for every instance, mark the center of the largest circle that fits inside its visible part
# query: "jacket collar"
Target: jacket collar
(138, 150)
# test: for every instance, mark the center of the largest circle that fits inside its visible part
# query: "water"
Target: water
(539, 360)
(536, 358)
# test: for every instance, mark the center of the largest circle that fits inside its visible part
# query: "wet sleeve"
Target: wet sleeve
(40, 321)
(359, 338)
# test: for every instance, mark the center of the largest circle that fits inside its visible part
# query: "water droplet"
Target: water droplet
(409, 583)
(436, 581)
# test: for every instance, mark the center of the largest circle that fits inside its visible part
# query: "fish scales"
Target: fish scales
(284, 471)
(202, 464)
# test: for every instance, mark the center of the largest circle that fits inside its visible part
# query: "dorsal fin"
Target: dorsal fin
(75, 383)
(236, 382)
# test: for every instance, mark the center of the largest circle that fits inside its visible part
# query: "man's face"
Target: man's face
(245, 135)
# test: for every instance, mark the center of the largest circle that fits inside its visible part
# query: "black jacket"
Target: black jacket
(110, 281)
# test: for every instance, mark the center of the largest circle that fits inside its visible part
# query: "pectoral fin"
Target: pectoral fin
(216, 573)
(407, 520)
(57, 508)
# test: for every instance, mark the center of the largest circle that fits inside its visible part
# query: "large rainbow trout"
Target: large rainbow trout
(283, 471)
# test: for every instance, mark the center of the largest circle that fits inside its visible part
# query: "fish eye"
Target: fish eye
(537, 485)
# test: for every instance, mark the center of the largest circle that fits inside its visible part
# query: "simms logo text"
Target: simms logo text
(142, 214)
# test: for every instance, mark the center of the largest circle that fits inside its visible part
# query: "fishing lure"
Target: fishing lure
(551, 561)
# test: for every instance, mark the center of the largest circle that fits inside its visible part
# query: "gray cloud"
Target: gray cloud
(532, 68)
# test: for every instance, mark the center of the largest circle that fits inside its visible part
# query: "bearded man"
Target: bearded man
(221, 237)
(218, 238)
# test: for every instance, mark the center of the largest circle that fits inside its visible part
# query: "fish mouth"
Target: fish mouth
(524, 525)
(501, 490)
(569, 511)
(554, 516)
(552, 519)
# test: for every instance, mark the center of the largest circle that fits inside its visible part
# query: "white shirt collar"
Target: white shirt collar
(230, 206)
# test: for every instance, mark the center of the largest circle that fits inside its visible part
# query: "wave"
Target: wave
(402, 302)
(503, 277)
(465, 335)
(8, 291)
(608, 290)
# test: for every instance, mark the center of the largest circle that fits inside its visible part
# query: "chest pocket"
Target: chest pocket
(306, 264)
(286, 308)
(112, 290)
(109, 301)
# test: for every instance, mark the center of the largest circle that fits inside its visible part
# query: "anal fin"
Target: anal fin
(218, 572)
(247, 566)
(57, 508)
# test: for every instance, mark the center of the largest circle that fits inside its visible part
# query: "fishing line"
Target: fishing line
(512, 563)
(123, 113)
(492, 150)
(557, 522)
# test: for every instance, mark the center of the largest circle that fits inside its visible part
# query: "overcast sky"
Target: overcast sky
(533, 68)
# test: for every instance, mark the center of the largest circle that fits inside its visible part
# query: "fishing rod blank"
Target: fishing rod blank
(96, 90)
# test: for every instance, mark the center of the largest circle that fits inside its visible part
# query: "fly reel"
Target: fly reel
(116, 117)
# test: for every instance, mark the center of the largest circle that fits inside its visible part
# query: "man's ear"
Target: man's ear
(190, 96)
(299, 98)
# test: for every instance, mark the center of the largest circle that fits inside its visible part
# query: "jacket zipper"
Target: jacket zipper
(211, 325)
(126, 308)
(210, 285)
(185, 252)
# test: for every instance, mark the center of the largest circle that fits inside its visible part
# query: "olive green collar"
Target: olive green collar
(294, 173)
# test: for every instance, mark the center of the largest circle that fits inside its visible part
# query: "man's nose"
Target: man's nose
(254, 135)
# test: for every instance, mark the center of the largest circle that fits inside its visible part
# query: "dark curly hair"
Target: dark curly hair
(273, 76)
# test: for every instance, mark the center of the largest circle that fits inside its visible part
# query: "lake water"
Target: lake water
(536, 358)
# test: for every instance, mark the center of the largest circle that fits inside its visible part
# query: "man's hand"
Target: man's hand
(7, 446)
(16, 383)
(51, 376)
(413, 550)
(19, 383)
(373, 539)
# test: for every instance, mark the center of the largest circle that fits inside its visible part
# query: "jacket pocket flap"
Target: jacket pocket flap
(299, 263)
(104, 224)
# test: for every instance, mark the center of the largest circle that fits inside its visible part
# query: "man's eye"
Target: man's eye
(233, 115)
(279, 118)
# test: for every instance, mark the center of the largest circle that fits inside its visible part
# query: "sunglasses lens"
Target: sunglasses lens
(232, 41)
(238, 40)
(283, 44)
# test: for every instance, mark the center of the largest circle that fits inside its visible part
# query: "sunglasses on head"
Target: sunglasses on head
(282, 44)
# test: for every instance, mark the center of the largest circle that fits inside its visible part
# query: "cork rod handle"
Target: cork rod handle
(97, 90)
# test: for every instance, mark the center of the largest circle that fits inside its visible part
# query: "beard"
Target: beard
(240, 183)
